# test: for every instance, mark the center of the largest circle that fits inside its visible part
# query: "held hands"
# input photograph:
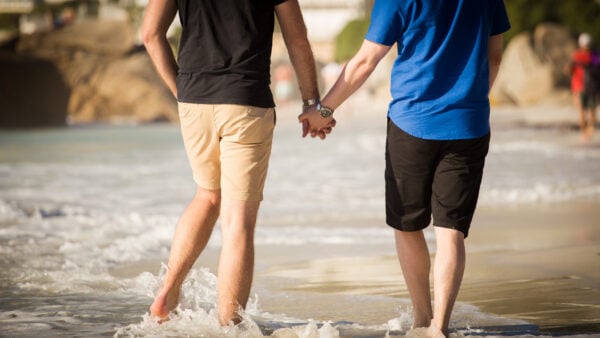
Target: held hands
(314, 123)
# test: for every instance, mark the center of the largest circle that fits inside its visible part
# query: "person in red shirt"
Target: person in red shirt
(584, 96)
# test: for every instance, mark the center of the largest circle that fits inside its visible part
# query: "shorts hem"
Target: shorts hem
(242, 195)
(462, 229)
(406, 228)
(207, 186)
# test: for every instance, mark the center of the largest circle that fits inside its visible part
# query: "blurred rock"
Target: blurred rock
(123, 90)
(533, 67)
(33, 93)
(523, 78)
(554, 45)
(108, 78)
(93, 36)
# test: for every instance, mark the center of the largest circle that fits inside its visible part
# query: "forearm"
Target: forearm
(163, 59)
(355, 73)
(353, 76)
(294, 33)
(303, 62)
(159, 15)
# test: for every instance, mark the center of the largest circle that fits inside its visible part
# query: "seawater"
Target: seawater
(87, 215)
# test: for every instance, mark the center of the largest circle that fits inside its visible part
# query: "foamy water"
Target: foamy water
(87, 215)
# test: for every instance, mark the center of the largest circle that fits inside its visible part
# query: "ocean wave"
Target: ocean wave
(538, 193)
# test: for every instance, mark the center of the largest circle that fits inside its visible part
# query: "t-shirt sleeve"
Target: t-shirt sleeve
(386, 23)
(500, 23)
(278, 2)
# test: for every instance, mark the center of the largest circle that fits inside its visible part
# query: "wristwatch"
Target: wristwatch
(324, 111)
(310, 102)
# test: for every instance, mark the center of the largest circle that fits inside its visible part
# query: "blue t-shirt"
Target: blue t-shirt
(440, 79)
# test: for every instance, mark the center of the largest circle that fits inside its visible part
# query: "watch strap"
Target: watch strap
(310, 102)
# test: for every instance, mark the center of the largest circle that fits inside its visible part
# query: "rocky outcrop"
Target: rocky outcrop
(96, 66)
(33, 93)
(533, 67)
(554, 45)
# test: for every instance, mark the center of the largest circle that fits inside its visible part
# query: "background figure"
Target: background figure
(585, 84)
(438, 132)
(283, 82)
(227, 127)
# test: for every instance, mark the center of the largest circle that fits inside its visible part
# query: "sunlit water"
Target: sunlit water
(87, 215)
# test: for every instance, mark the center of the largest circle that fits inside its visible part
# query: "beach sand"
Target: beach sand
(536, 263)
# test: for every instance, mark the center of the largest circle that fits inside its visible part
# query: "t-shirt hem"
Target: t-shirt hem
(463, 135)
(374, 39)
(226, 101)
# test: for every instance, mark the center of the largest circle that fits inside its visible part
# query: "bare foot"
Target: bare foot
(419, 332)
(589, 131)
(434, 332)
(164, 302)
(585, 136)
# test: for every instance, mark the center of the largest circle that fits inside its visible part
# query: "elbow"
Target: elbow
(495, 60)
(495, 52)
(364, 66)
(149, 36)
(370, 66)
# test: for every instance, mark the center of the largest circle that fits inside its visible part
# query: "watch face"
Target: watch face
(325, 112)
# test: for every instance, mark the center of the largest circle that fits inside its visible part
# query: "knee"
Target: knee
(209, 196)
(237, 229)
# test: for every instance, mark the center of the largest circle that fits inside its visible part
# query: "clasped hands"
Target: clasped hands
(315, 124)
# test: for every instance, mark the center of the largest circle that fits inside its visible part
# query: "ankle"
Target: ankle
(164, 302)
(434, 331)
(421, 322)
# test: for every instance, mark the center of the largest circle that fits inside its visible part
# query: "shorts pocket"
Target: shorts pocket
(257, 126)
(257, 111)
(185, 109)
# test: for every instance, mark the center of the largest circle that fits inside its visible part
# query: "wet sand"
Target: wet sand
(536, 263)
(548, 272)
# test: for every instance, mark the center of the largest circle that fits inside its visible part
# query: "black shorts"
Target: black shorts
(429, 177)
(588, 99)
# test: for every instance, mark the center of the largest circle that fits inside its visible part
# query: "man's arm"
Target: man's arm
(353, 76)
(494, 56)
(157, 19)
(296, 40)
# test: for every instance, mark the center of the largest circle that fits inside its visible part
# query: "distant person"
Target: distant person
(221, 81)
(66, 18)
(283, 79)
(438, 132)
(585, 84)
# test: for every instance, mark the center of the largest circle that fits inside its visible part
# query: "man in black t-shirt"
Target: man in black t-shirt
(221, 82)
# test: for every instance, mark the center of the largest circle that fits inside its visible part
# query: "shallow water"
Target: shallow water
(87, 215)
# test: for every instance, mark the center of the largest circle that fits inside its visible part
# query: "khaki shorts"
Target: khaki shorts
(228, 147)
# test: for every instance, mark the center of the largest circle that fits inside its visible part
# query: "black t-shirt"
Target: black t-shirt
(225, 51)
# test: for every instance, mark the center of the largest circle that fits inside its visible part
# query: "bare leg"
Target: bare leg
(416, 263)
(191, 236)
(582, 116)
(236, 264)
(591, 123)
(448, 271)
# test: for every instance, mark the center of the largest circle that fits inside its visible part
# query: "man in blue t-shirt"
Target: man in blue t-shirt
(449, 52)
